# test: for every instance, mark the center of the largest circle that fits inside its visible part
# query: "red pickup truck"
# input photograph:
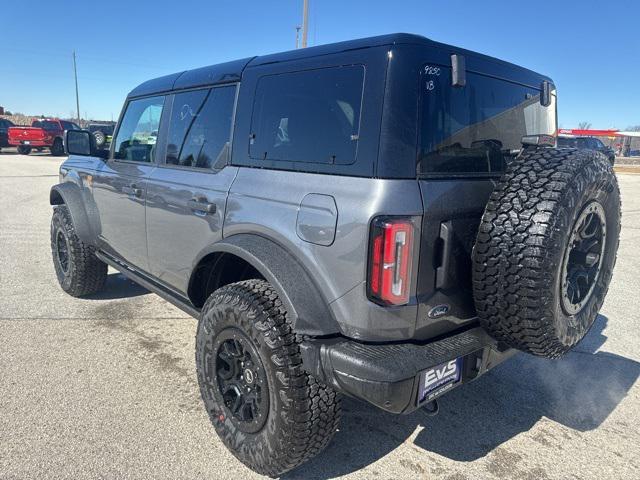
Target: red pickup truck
(45, 133)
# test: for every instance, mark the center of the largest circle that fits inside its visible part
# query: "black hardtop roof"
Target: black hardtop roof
(232, 71)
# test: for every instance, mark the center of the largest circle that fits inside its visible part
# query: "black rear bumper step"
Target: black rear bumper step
(388, 375)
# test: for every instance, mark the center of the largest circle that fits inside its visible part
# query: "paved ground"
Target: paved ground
(105, 387)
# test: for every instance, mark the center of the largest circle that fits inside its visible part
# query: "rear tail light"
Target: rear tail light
(390, 260)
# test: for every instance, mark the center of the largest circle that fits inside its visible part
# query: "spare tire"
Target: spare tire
(546, 248)
(100, 138)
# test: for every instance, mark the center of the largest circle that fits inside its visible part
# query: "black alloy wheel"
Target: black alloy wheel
(62, 251)
(241, 380)
(583, 258)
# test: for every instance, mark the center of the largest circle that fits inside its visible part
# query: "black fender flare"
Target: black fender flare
(69, 194)
(307, 309)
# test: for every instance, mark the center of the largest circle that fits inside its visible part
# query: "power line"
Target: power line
(75, 74)
(305, 22)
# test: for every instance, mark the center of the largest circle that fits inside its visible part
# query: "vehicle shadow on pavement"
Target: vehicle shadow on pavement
(578, 391)
(118, 286)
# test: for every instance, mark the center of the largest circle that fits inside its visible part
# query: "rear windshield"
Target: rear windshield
(476, 129)
(46, 124)
(566, 142)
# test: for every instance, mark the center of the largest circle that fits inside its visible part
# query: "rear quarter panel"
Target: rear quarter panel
(267, 203)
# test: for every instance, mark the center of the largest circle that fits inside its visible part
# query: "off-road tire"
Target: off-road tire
(303, 414)
(85, 273)
(100, 138)
(22, 150)
(57, 149)
(520, 250)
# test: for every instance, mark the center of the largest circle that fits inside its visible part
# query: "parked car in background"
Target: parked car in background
(588, 143)
(102, 133)
(4, 126)
(45, 133)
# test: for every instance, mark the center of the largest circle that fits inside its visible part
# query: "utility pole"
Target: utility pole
(75, 74)
(305, 22)
(298, 37)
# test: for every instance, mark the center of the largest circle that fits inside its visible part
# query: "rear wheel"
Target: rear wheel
(22, 150)
(78, 269)
(57, 149)
(267, 410)
(546, 249)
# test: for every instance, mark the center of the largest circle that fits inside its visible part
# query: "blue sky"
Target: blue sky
(590, 48)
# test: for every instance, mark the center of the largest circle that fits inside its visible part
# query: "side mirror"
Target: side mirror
(83, 143)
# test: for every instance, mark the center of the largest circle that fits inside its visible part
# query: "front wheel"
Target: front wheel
(22, 150)
(267, 410)
(78, 269)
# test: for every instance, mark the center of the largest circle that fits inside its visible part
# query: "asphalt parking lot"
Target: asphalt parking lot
(105, 387)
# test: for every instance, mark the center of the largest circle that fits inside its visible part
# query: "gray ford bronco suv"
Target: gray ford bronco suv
(385, 218)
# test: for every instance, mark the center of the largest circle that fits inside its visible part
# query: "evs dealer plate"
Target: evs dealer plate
(439, 379)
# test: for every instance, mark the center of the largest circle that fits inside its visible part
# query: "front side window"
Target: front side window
(138, 130)
(476, 128)
(200, 128)
(311, 116)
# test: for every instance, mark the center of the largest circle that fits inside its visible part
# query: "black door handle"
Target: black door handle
(133, 190)
(199, 204)
(443, 272)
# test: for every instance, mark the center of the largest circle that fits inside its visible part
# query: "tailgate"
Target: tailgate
(21, 134)
(453, 209)
(467, 136)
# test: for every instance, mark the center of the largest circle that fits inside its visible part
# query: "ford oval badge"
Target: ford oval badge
(438, 311)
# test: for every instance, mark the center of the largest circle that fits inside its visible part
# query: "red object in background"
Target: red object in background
(42, 133)
(588, 133)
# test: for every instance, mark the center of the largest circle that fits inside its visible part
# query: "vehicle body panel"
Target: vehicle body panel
(177, 234)
(121, 211)
(28, 136)
(267, 202)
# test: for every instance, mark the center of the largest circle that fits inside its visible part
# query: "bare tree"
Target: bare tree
(635, 128)
(584, 125)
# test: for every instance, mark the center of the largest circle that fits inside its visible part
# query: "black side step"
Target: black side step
(141, 279)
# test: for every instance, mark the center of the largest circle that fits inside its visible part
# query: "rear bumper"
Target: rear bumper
(389, 375)
(31, 143)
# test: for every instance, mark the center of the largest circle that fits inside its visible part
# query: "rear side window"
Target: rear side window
(475, 129)
(138, 131)
(310, 116)
(200, 128)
